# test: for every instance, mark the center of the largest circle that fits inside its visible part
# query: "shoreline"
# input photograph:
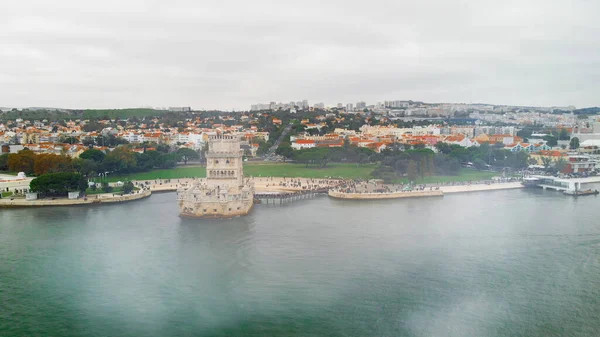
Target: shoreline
(438, 191)
(102, 199)
(262, 185)
(481, 187)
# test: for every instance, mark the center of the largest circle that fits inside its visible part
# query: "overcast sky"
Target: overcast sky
(229, 54)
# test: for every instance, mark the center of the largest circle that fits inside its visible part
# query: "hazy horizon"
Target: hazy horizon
(226, 55)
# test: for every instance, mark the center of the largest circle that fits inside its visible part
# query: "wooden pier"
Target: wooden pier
(285, 197)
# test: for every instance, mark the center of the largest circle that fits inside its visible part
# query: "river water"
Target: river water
(504, 263)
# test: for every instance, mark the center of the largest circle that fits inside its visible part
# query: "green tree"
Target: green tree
(551, 141)
(285, 149)
(262, 148)
(444, 148)
(85, 167)
(93, 126)
(411, 170)
(574, 144)
(121, 160)
(563, 134)
(106, 188)
(166, 160)
(400, 167)
(187, 154)
(88, 142)
(58, 184)
(4, 162)
(93, 154)
(69, 140)
(546, 161)
(128, 187)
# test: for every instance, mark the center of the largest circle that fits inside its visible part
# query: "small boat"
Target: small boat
(581, 193)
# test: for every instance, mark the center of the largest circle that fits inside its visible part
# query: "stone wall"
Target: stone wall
(217, 209)
(394, 195)
(21, 202)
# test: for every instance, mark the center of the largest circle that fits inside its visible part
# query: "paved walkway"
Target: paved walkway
(261, 184)
(368, 190)
(93, 199)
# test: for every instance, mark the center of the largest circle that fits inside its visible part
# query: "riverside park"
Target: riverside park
(336, 170)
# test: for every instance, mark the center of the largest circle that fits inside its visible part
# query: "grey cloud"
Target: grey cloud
(230, 54)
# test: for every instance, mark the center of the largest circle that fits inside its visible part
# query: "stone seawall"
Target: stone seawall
(216, 209)
(427, 193)
(7, 203)
(481, 187)
(393, 195)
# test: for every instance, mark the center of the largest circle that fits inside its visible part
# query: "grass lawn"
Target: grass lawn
(174, 173)
(6, 194)
(349, 171)
(464, 175)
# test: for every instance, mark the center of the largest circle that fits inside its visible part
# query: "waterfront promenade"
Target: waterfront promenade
(337, 188)
(370, 190)
(14, 183)
(104, 198)
(261, 184)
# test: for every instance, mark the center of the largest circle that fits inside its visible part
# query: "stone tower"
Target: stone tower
(224, 166)
(224, 193)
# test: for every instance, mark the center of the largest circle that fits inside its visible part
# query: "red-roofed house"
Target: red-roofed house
(303, 144)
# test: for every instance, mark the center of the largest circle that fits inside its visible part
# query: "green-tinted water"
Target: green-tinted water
(509, 263)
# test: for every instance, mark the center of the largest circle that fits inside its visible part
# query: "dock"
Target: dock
(565, 184)
(285, 197)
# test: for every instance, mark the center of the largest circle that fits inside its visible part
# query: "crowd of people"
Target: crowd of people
(338, 185)
(360, 186)
(305, 184)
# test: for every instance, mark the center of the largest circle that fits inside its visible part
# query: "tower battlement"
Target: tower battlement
(224, 144)
(224, 138)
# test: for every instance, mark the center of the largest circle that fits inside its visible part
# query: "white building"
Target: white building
(132, 137)
(303, 144)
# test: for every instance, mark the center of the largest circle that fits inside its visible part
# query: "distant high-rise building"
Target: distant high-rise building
(349, 107)
(259, 106)
(320, 105)
(340, 105)
(396, 104)
(361, 105)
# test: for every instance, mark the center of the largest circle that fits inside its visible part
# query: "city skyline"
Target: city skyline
(228, 56)
(304, 104)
